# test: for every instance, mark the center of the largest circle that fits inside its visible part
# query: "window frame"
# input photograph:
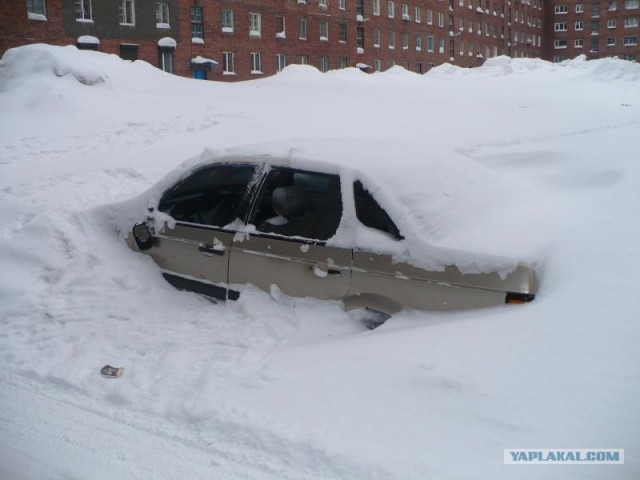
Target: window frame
(81, 13)
(227, 20)
(37, 9)
(124, 17)
(196, 21)
(255, 25)
(256, 63)
(163, 8)
(302, 29)
(228, 63)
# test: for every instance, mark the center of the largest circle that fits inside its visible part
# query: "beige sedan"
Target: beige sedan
(240, 221)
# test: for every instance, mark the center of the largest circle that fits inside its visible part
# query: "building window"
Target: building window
(559, 58)
(631, 4)
(360, 37)
(304, 60)
(127, 12)
(441, 49)
(36, 10)
(344, 62)
(377, 65)
(197, 31)
(579, 26)
(418, 42)
(429, 17)
(129, 52)
(441, 19)
(405, 41)
(280, 27)
(228, 66)
(611, 23)
(594, 45)
(611, 41)
(227, 21)
(405, 12)
(324, 64)
(559, 44)
(391, 9)
(376, 38)
(391, 63)
(392, 40)
(429, 43)
(302, 29)
(630, 40)
(255, 29)
(560, 27)
(613, 6)
(342, 32)
(281, 61)
(577, 43)
(322, 4)
(376, 7)
(419, 68)
(632, 57)
(595, 25)
(166, 60)
(256, 62)
(162, 15)
(83, 11)
(630, 23)
(580, 8)
(560, 9)
(342, 4)
(324, 31)
(360, 8)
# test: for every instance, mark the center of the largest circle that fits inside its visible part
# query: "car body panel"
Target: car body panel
(195, 251)
(298, 268)
(409, 286)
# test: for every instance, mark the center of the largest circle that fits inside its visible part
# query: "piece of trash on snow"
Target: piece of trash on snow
(114, 372)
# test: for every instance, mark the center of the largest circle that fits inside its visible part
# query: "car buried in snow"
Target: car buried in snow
(263, 220)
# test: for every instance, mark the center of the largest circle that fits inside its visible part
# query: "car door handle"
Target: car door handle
(211, 249)
(322, 271)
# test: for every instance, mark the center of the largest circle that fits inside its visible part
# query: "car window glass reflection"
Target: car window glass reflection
(211, 196)
(371, 214)
(296, 203)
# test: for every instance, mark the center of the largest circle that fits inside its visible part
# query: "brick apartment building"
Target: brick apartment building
(244, 39)
(596, 28)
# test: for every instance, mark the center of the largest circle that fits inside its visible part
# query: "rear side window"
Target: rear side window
(211, 196)
(371, 214)
(296, 203)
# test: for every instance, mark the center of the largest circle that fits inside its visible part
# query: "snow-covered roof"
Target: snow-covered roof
(88, 40)
(167, 42)
(203, 61)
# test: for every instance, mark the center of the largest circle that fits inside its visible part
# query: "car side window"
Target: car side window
(371, 214)
(296, 203)
(210, 196)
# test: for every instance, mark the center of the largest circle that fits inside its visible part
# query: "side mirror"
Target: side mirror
(142, 236)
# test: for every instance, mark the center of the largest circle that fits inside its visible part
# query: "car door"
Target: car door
(294, 214)
(194, 254)
(379, 282)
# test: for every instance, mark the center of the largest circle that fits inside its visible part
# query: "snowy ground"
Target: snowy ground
(272, 387)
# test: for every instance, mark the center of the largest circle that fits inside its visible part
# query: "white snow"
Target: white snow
(203, 60)
(519, 154)
(88, 39)
(167, 42)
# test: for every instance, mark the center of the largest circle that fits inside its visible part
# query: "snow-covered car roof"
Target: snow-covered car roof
(449, 208)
